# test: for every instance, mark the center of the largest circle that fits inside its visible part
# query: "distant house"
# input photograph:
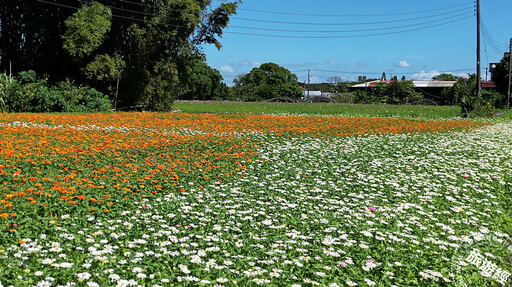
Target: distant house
(430, 89)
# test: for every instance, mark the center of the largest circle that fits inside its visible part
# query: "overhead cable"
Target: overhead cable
(350, 23)
(345, 15)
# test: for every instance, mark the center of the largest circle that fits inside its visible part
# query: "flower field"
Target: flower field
(145, 199)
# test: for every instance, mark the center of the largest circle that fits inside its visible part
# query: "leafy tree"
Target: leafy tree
(267, 81)
(394, 93)
(87, 29)
(446, 77)
(500, 75)
(107, 69)
(463, 93)
(205, 83)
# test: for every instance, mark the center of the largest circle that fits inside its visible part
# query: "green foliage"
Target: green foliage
(108, 70)
(267, 81)
(500, 75)
(31, 94)
(87, 29)
(393, 93)
(8, 85)
(89, 46)
(82, 99)
(105, 68)
(162, 88)
(205, 83)
(463, 93)
(446, 77)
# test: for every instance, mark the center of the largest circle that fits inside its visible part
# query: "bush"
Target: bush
(463, 93)
(393, 93)
(28, 93)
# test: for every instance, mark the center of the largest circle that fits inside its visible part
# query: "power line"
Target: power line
(346, 36)
(347, 31)
(317, 15)
(302, 23)
(350, 23)
(490, 40)
(345, 15)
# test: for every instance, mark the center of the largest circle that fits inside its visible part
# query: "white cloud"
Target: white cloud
(362, 64)
(255, 64)
(333, 63)
(403, 64)
(423, 75)
(227, 69)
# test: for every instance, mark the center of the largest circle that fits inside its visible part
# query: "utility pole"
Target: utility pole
(309, 78)
(509, 72)
(478, 80)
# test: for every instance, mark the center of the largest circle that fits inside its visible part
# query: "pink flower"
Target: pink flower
(342, 264)
(372, 209)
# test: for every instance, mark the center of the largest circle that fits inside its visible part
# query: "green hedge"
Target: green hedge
(28, 93)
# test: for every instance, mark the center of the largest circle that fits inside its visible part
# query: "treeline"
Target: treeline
(144, 53)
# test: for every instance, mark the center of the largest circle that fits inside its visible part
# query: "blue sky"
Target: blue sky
(444, 38)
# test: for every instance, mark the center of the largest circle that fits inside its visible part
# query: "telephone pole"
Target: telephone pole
(478, 80)
(509, 72)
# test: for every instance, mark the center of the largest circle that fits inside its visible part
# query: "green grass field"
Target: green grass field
(349, 110)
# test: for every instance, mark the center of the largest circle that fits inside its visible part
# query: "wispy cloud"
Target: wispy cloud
(362, 64)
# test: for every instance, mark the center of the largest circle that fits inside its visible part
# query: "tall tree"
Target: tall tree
(267, 81)
(205, 83)
(500, 75)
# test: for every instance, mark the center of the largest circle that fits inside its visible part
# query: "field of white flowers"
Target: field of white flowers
(380, 210)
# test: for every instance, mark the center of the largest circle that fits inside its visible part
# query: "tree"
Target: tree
(157, 40)
(107, 69)
(446, 77)
(267, 81)
(87, 29)
(463, 93)
(500, 75)
(205, 83)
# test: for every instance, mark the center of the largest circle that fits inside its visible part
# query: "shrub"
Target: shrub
(28, 93)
